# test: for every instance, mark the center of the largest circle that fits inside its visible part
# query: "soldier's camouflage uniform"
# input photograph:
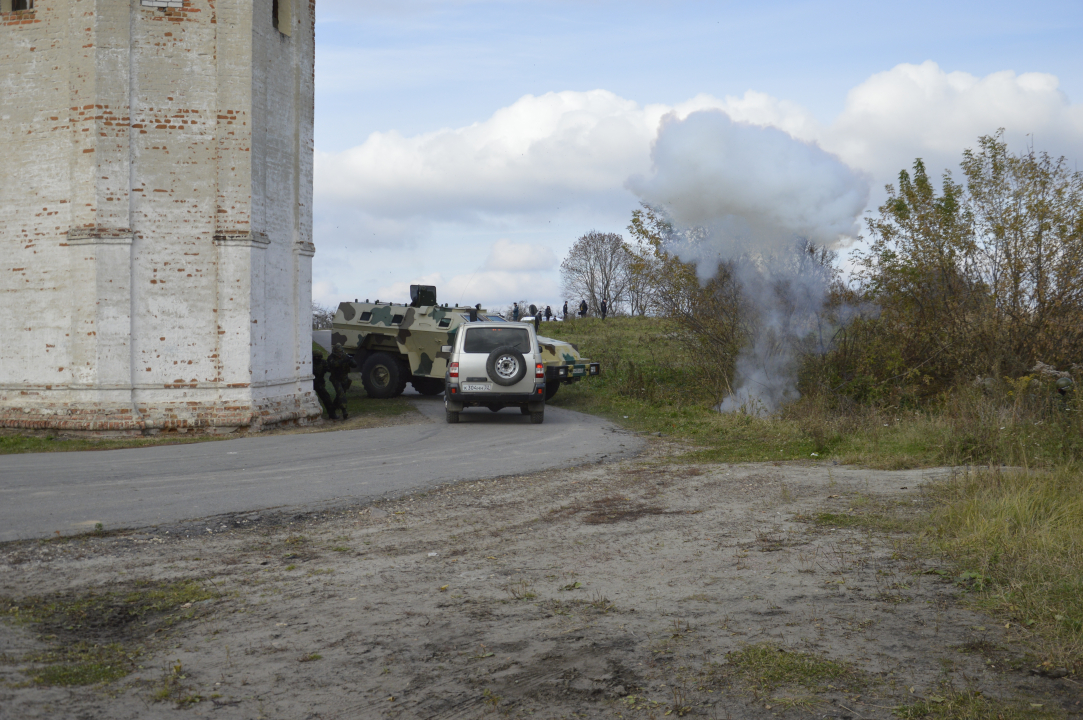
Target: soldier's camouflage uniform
(338, 364)
(319, 383)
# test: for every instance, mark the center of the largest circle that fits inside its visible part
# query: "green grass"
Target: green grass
(951, 704)
(767, 668)
(653, 382)
(358, 404)
(82, 664)
(96, 635)
(785, 678)
(15, 444)
(95, 609)
(1016, 539)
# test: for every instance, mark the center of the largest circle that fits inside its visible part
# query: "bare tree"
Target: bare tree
(322, 316)
(597, 268)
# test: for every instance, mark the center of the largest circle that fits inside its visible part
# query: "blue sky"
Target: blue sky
(470, 143)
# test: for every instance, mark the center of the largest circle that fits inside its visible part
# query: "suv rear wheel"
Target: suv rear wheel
(382, 376)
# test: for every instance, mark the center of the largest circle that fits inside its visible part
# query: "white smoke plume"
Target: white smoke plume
(757, 196)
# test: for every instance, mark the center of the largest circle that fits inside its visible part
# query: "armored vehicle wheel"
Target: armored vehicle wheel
(551, 390)
(382, 376)
(537, 418)
(506, 366)
(451, 416)
(427, 385)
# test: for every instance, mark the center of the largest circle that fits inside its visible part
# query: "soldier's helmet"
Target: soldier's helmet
(337, 347)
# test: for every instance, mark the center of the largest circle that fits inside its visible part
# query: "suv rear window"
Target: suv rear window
(487, 339)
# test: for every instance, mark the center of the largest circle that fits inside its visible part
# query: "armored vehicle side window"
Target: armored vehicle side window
(396, 319)
(366, 316)
(444, 323)
(487, 339)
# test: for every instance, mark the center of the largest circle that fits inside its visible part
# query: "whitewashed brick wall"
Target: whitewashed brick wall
(155, 215)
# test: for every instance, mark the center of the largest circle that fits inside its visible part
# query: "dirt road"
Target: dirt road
(637, 589)
(72, 492)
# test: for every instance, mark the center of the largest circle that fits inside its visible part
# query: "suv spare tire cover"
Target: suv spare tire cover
(506, 365)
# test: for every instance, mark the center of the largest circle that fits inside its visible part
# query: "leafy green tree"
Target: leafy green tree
(979, 279)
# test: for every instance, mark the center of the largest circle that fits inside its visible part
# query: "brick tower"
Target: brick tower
(155, 214)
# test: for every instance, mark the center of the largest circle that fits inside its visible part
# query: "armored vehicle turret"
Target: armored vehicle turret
(395, 344)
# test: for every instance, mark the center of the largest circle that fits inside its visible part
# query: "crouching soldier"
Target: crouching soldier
(338, 364)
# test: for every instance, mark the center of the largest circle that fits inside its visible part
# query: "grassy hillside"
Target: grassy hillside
(651, 381)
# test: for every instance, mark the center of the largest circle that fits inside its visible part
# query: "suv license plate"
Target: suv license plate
(476, 387)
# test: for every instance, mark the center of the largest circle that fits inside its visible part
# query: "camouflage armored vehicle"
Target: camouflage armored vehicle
(393, 345)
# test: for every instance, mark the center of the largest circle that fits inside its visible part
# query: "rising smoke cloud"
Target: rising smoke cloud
(757, 194)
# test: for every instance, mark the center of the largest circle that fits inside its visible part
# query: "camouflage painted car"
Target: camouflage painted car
(398, 344)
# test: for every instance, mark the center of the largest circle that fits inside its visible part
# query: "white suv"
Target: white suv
(495, 365)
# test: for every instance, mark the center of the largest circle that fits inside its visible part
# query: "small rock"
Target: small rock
(1057, 673)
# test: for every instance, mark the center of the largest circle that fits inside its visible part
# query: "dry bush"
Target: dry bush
(712, 315)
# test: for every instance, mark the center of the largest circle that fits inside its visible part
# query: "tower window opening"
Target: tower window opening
(280, 15)
(16, 5)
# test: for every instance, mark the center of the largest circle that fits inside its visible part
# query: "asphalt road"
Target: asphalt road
(70, 492)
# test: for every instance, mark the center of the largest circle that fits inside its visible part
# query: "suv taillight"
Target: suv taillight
(539, 371)
(453, 370)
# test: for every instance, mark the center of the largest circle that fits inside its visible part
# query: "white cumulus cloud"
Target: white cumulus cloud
(564, 159)
(922, 111)
(578, 148)
(536, 153)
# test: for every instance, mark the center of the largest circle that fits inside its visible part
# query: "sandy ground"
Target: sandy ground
(614, 590)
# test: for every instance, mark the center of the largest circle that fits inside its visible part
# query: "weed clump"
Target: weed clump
(94, 635)
(972, 705)
(766, 668)
(1014, 537)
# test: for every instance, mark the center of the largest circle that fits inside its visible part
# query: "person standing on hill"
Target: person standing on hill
(548, 314)
(605, 308)
(565, 309)
(582, 308)
(515, 312)
(319, 383)
(339, 367)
